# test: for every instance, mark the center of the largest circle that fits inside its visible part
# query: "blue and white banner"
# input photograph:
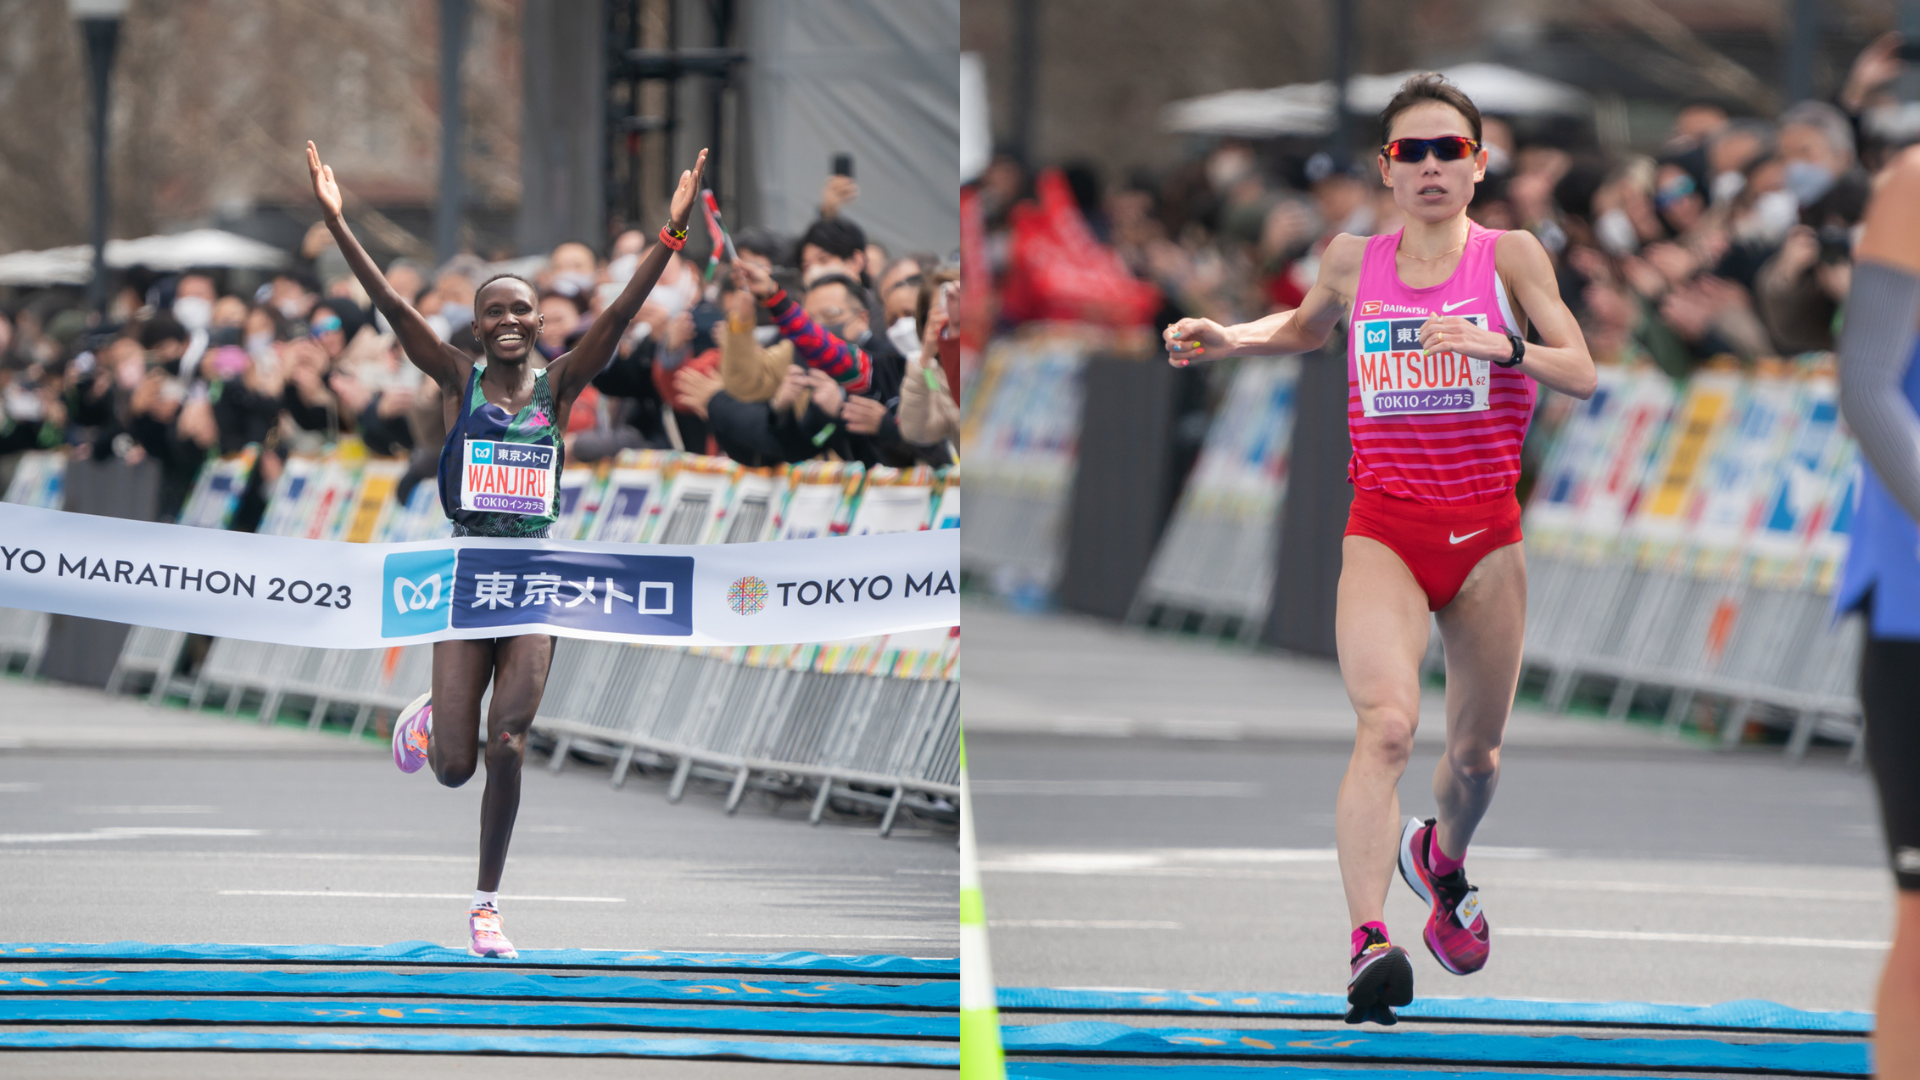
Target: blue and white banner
(354, 596)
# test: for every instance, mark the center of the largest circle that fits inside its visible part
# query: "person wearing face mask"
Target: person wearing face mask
(193, 297)
(899, 293)
(1802, 287)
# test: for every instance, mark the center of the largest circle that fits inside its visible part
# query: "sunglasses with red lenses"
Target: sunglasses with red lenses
(1446, 148)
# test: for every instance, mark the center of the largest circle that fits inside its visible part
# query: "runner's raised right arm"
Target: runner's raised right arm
(441, 362)
(1303, 329)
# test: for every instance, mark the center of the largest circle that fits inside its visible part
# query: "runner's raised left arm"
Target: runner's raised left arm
(574, 370)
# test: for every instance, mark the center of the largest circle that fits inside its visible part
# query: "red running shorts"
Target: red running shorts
(1440, 544)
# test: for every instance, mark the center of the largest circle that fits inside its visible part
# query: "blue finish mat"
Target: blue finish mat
(488, 1015)
(1848, 1059)
(1055, 1070)
(486, 984)
(1749, 1015)
(429, 1043)
(425, 952)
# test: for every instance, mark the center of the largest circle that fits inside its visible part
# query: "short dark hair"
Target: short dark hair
(162, 327)
(837, 237)
(855, 291)
(512, 277)
(766, 242)
(1424, 87)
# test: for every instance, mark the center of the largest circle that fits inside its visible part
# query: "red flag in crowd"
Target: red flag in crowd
(1058, 270)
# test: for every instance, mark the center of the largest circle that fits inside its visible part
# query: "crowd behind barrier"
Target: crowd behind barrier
(879, 714)
(1693, 267)
(1683, 536)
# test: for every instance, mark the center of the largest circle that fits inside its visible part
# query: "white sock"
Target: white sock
(486, 899)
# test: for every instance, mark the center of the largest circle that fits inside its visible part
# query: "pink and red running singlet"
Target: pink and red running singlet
(1436, 438)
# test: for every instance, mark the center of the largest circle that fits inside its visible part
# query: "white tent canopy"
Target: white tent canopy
(1307, 108)
(178, 251)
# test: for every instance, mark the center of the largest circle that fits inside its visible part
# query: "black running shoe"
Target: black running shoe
(1382, 979)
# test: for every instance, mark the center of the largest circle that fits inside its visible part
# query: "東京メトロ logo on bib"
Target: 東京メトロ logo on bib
(1396, 377)
(416, 593)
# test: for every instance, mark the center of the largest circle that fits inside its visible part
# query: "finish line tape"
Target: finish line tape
(943, 996)
(329, 594)
(490, 1015)
(425, 952)
(429, 1043)
(1748, 1015)
(1848, 1059)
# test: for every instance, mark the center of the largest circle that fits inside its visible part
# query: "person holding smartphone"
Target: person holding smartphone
(1440, 392)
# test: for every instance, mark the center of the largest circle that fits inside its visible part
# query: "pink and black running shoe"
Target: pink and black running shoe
(1457, 932)
(1382, 979)
(484, 937)
(410, 731)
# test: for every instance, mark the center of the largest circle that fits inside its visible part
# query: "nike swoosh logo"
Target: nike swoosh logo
(1452, 539)
(1449, 307)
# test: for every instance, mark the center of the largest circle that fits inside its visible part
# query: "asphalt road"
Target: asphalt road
(119, 822)
(1614, 865)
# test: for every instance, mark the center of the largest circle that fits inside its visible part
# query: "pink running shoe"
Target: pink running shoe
(410, 730)
(1457, 932)
(485, 938)
(1382, 978)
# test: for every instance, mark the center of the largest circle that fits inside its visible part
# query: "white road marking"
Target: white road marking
(1198, 789)
(341, 893)
(326, 856)
(1086, 924)
(17, 787)
(836, 937)
(144, 809)
(1761, 892)
(1694, 939)
(1185, 862)
(121, 832)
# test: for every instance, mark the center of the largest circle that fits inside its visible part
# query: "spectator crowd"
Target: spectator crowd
(1730, 245)
(820, 346)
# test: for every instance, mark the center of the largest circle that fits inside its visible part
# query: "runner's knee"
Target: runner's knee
(1386, 734)
(455, 771)
(1474, 763)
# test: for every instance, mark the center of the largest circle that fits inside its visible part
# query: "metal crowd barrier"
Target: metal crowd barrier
(1770, 652)
(716, 717)
(710, 715)
(23, 634)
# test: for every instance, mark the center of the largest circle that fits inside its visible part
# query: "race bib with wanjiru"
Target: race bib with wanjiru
(1397, 378)
(508, 478)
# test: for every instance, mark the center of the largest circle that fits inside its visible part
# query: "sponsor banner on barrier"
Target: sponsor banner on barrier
(337, 595)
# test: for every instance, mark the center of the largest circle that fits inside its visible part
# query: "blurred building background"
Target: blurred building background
(574, 117)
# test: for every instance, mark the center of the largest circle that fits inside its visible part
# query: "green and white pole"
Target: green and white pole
(980, 1054)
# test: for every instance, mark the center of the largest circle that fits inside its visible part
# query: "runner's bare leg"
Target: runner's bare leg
(520, 678)
(1483, 630)
(1381, 632)
(461, 670)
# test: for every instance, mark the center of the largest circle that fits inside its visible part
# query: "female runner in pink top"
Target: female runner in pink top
(1440, 389)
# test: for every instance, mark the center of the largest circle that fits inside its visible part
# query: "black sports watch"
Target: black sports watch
(1519, 350)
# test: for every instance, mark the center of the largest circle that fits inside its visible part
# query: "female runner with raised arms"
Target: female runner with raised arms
(505, 397)
(1440, 391)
